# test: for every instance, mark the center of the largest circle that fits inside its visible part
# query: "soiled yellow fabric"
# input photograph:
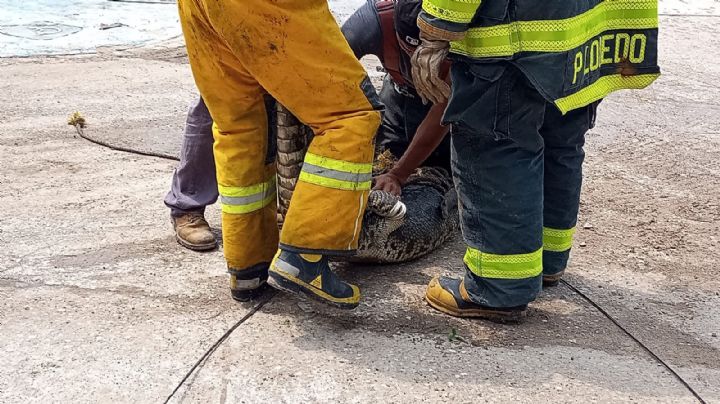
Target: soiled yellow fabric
(293, 50)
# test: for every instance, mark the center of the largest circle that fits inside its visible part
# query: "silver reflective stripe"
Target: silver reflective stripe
(242, 284)
(246, 200)
(286, 267)
(335, 174)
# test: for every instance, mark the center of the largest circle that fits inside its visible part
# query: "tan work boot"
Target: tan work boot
(193, 232)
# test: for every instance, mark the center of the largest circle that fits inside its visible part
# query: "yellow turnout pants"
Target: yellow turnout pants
(293, 50)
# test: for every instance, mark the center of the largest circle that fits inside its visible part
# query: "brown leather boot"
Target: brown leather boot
(193, 232)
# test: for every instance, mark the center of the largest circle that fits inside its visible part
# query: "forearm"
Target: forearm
(362, 31)
(429, 135)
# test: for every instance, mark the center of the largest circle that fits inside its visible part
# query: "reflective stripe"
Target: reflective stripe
(557, 240)
(338, 165)
(459, 11)
(324, 181)
(557, 35)
(601, 88)
(338, 174)
(510, 266)
(239, 200)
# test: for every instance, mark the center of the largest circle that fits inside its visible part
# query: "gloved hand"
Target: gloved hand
(426, 64)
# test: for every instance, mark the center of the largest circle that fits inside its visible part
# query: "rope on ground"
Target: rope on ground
(637, 341)
(203, 359)
(687, 15)
(200, 362)
(81, 132)
(268, 295)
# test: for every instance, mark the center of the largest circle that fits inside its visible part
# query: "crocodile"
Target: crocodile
(394, 229)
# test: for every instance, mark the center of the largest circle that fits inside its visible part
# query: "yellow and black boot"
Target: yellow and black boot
(449, 296)
(311, 276)
(248, 284)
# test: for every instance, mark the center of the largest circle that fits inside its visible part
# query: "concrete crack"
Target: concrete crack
(203, 359)
(637, 341)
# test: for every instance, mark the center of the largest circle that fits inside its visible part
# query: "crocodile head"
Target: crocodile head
(393, 230)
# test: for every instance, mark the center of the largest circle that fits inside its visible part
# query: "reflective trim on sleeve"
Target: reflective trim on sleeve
(459, 11)
(602, 87)
(240, 200)
(510, 266)
(557, 240)
(337, 174)
(557, 35)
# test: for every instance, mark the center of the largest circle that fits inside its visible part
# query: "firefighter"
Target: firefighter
(295, 52)
(384, 28)
(526, 81)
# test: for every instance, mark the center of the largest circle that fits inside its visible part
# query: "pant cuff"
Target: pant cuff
(555, 262)
(176, 212)
(501, 293)
(251, 271)
(301, 250)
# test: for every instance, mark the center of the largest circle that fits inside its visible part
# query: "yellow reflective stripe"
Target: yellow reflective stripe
(458, 11)
(602, 87)
(337, 174)
(250, 207)
(510, 266)
(557, 35)
(338, 165)
(557, 240)
(334, 183)
(246, 191)
(239, 200)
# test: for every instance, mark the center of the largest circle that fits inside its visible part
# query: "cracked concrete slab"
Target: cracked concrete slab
(98, 303)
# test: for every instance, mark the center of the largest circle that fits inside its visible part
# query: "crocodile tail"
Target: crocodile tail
(293, 139)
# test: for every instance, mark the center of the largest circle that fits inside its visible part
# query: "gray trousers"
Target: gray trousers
(194, 184)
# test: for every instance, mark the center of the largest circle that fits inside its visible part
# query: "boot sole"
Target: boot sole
(497, 316)
(288, 283)
(196, 247)
(248, 295)
(552, 280)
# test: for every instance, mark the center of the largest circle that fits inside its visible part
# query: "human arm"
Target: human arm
(429, 135)
(363, 32)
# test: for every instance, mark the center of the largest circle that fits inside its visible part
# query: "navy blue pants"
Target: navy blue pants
(517, 165)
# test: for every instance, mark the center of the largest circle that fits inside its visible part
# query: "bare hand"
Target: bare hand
(388, 183)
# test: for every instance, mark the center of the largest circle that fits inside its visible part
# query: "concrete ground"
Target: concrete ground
(98, 303)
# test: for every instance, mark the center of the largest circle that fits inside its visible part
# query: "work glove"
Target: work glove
(426, 64)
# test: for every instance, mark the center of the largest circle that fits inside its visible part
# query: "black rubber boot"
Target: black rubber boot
(248, 284)
(311, 276)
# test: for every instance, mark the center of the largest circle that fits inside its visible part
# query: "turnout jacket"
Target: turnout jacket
(575, 52)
